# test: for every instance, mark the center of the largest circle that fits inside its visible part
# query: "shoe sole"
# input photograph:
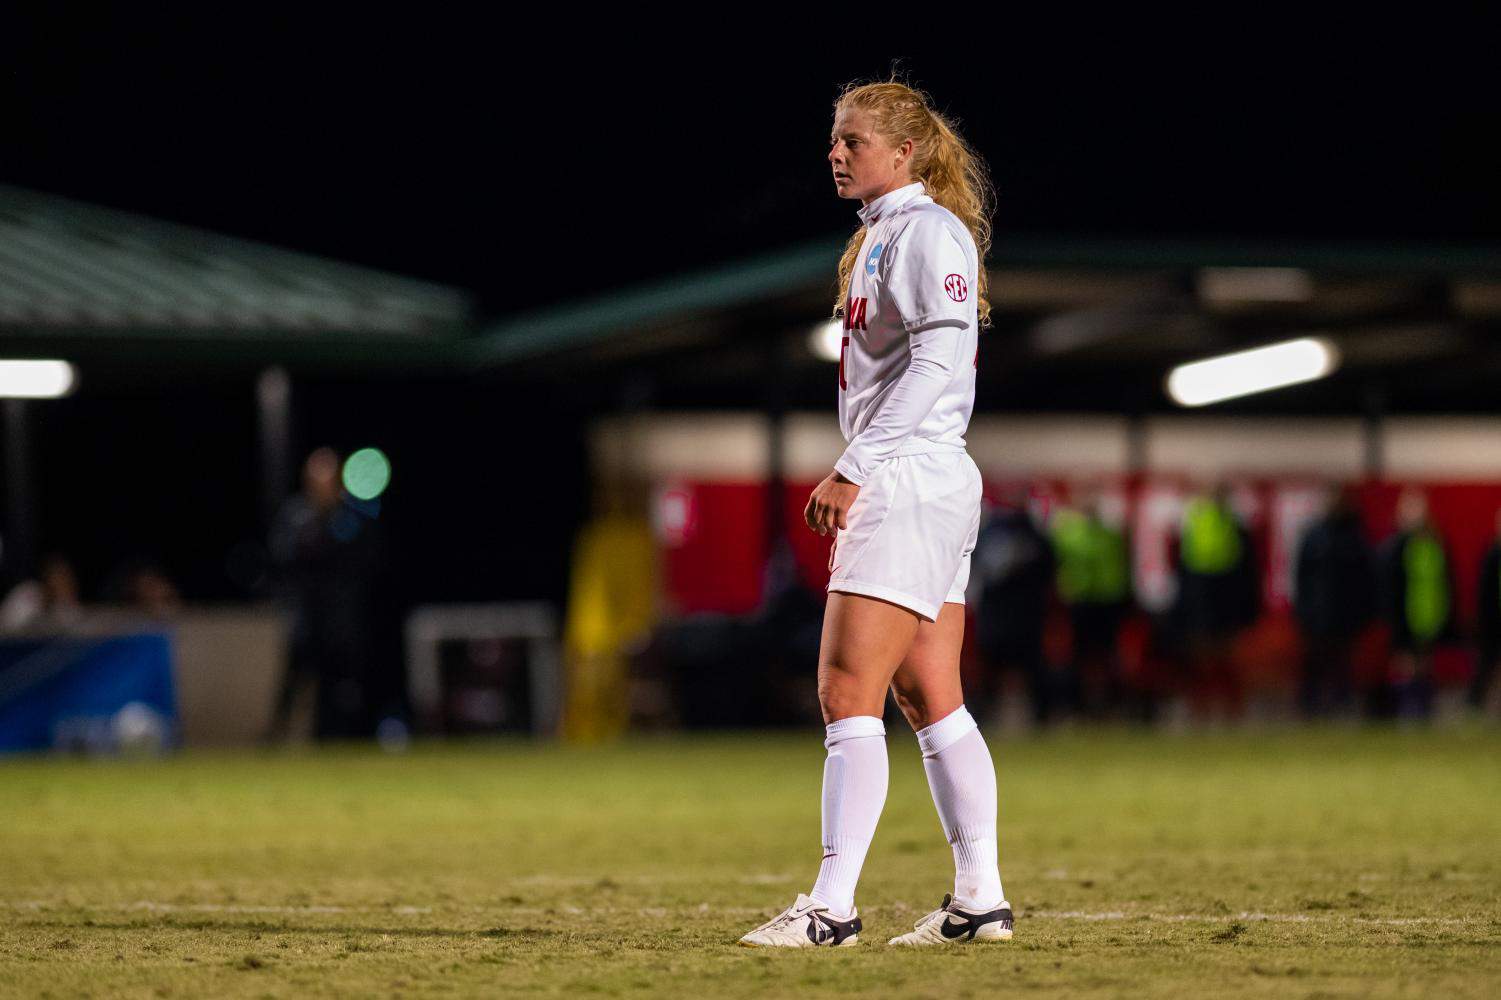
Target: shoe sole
(851, 940)
(987, 934)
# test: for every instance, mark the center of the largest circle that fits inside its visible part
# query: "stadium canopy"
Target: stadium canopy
(85, 280)
(1079, 321)
(1030, 275)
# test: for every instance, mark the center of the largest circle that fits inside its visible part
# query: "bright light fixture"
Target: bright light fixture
(1245, 372)
(35, 379)
(827, 340)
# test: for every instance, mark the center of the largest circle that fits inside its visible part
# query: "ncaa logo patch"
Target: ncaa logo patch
(874, 258)
(955, 285)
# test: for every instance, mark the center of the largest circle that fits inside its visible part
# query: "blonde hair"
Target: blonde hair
(953, 173)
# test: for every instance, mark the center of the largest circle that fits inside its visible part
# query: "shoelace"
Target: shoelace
(787, 916)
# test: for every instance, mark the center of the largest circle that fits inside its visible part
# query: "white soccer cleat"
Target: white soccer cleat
(804, 924)
(953, 924)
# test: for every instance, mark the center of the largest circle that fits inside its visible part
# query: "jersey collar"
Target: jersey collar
(889, 203)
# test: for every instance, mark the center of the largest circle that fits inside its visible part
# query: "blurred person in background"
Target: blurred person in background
(1011, 582)
(1217, 598)
(48, 602)
(612, 609)
(1485, 693)
(789, 625)
(1335, 600)
(903, 505)
(1094, 580)
(328, 558)
(145, 586)
(1419, 603)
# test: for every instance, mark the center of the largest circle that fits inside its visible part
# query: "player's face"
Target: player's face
(866, 165)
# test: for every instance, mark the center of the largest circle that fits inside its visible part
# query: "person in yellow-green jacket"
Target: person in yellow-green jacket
(1218, 595)
(1094, 584)
(1419, 603)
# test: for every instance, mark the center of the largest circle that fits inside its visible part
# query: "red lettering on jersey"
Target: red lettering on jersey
(854, 319)
(956, 287)
(854, 314)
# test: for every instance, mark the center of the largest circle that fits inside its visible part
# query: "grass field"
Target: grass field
(1314, 863)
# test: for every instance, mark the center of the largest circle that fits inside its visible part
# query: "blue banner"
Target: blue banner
(98, 695)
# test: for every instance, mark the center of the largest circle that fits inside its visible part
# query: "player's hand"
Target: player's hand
(829, 503)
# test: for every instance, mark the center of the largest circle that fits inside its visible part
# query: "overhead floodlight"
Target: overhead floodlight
(35, 379)
(826, 341)
(1246, 372)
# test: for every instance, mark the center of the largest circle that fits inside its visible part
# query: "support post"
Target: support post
(273, 400)
(1374, 430)
(19, 554)
(775, 380)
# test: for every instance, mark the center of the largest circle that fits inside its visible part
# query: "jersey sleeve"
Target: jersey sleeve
(929, 280)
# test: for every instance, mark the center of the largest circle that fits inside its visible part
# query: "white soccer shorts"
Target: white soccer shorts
(911, 532)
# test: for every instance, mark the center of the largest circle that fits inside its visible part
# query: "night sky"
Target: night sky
(533, 173)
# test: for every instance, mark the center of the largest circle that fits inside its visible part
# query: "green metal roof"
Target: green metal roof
(70, 271)
(806, 268)
(790, 271)
(73, 275)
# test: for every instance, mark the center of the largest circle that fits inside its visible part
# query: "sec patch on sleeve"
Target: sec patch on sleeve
(957, 287)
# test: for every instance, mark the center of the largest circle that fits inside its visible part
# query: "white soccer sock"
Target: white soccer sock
(854, 790)
(962, 779)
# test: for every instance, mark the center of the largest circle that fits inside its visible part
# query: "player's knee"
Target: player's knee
(842, 693)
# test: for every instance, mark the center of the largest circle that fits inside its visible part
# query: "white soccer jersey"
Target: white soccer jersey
(907, 367)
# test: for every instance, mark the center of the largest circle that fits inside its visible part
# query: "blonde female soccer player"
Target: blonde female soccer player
(903, 505)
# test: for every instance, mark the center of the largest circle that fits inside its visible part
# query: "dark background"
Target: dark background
(535, 172)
